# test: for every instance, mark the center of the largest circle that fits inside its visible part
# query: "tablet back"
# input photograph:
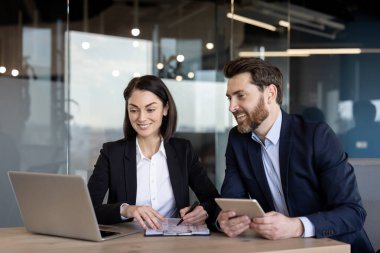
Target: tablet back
(249, 207)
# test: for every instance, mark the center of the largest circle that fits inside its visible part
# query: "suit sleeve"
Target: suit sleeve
(201, 184)
(98, 186)
(345, 212)
(233, 186)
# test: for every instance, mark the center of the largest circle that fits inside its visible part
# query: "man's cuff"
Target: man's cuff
(217, 226)
(309, 229)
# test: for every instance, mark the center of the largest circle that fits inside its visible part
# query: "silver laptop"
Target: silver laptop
(60, 205)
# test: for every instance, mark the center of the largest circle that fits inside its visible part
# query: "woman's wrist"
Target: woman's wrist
(124, 210)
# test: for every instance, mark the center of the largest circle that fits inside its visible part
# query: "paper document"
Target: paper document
(169, 227)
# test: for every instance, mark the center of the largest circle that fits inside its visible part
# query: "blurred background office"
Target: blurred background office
(64, 65)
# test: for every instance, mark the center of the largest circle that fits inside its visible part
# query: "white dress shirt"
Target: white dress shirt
(270, 152)
(153, 182)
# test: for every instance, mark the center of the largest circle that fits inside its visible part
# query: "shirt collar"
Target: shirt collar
(140, 155)
(162, 148)
(274, 133)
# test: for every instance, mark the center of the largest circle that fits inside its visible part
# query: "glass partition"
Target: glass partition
(336, 78)
(33, 119)
(185, 43)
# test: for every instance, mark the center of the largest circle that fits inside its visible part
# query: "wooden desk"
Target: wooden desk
(18, 240)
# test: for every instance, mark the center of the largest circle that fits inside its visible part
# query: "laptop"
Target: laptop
(60, 205)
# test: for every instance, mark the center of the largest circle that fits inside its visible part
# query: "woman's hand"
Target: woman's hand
(197, 217)
(145, 215)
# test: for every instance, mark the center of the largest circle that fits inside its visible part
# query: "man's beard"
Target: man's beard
(253, 119)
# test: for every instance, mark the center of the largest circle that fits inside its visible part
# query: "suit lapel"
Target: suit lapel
(256, 160)
(285, 151)
(130, 171)
(175, 174)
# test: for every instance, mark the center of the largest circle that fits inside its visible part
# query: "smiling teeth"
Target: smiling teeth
(143, 126)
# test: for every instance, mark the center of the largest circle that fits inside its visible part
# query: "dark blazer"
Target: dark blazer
(316, 178)
(115, 170)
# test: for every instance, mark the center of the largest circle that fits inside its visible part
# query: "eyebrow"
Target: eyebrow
(234, 93)
(145, 106)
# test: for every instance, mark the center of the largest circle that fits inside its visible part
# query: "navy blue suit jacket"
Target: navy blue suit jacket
(316, 178)
(115, 171)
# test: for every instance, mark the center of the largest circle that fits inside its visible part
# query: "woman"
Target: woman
(148, 173)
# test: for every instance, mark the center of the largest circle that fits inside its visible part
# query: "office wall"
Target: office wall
(368, 177)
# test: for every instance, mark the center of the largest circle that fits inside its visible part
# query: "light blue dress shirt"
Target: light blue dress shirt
(270, 151)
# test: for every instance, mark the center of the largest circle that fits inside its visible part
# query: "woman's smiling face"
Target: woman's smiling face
(145, 111)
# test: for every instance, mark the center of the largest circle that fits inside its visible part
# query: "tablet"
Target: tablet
(249, 207)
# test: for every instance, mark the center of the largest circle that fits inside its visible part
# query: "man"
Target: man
(363, 140)
(296, 169)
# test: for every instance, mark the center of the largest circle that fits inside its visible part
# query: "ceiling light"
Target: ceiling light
(135, 32)
(251, 21)
(271, 54)
(306, 52)
(210, 45)
(284, 23)
(85, 45)
(15, 72)
(318, 51)
(115, 73)
(302, 19)
(180, 58)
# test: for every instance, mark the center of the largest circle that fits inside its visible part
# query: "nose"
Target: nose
(233, 106)
(142, 116)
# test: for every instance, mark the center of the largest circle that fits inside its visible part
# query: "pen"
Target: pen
(193, 206)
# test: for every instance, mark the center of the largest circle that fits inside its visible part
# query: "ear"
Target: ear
(166, 109)
(272, 93)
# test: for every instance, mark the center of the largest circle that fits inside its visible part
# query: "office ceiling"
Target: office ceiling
(50, 11)
(342, 9)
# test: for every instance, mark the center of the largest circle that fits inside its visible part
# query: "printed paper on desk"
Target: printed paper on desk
(169, 228)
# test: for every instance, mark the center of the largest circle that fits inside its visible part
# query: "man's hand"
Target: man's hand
(275, 226)
(145, 215)
(232, 225)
